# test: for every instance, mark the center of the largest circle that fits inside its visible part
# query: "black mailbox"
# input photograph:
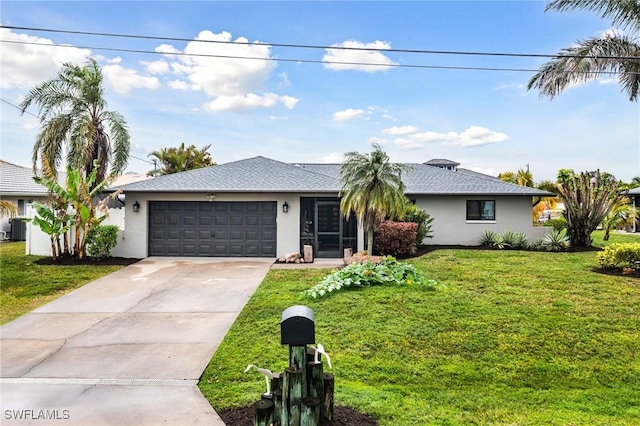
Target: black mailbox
(298, 327)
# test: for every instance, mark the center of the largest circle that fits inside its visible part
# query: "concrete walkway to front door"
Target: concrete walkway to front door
(127, 349)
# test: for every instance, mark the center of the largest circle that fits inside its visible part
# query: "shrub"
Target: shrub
(101, 240)
(558, 223)
(556, 241)
(487, 238)
(367, 273)
(424, 220)
(619, 253)
(537, 244)
(396, 238)
(515, 240)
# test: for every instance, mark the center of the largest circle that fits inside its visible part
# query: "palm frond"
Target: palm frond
(623, 13)
(589, 60)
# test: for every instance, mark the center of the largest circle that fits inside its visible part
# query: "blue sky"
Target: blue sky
(314, 112)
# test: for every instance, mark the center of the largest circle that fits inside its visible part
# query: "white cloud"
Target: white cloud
(123, 79)
(167, 49)
(400, 130)
(348, 114)
(333, 157)
(428, 136)
(284, 80)
(404, 143)
(25, 65)
(289, 101)
(218, 76)
(389, 117)
(249, 101)
(473, 136)
(358, 59)
(156, 67)
(179, 85)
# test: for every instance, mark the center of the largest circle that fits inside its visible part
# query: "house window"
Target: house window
(21, 207)
(481, 210)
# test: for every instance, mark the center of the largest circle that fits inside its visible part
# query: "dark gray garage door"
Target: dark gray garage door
(194, 228)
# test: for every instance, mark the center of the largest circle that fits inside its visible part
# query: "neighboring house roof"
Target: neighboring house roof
(257, 174)
(634, 191)
(260, 174)
(18, 181)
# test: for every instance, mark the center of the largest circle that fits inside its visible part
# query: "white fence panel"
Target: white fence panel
(39, 244)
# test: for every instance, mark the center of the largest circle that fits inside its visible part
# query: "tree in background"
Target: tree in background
(588, 198)
(180, 159)
(622, 214)
(7, 208)
(372, 189)
(611, 52)
(524, 177)
(74, 120)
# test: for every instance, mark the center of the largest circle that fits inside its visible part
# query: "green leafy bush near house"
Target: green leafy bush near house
(367, 273)
(558, 223)
(619, 254)
(415, 214)
(101, 240)
(396, 238)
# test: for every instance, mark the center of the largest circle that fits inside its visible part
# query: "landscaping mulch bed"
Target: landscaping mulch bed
(72, 261)
(343, 416)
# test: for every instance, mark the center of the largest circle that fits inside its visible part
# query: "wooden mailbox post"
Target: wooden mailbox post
(303, 394)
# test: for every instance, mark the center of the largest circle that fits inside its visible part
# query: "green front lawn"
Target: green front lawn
(518, 338)
(25, 285)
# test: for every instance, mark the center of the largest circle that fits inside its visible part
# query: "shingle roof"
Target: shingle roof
(260, 174)
(18, 180)
(257, 174)
(634, 191)
(427, 179)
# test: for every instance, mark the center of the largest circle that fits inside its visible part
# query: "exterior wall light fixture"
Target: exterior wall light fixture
(136, 207)
(285, 207)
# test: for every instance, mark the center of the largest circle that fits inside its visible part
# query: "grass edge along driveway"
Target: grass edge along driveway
(25, 285)
(524, 338)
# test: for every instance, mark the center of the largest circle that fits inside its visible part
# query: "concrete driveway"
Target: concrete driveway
(127, 349)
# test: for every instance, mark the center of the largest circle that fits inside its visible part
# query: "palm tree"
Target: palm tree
(75, 122)
(622, 213)
(610, 53)
(372, 189)
(524, 177)
(180, 159)
(7, 208)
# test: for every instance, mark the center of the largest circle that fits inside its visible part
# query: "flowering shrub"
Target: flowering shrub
(396, 238)
(620, 253)
(367, 273)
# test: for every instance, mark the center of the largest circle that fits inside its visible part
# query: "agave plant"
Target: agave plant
(514, 239)
(556, 241)
(487, 237)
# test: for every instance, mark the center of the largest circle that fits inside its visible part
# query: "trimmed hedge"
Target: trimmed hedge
(396, 238)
